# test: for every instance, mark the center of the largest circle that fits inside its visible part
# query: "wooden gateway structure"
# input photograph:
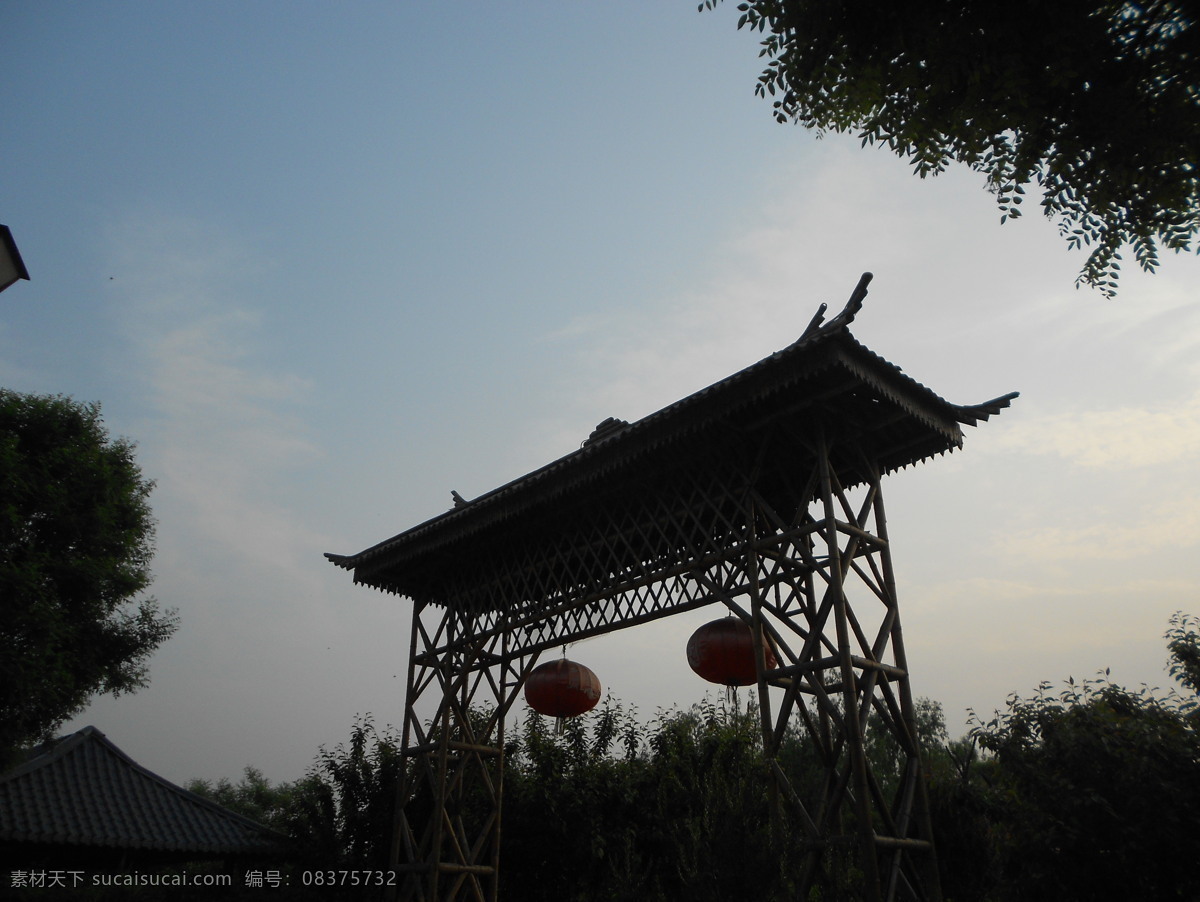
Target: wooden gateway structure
(761, 493)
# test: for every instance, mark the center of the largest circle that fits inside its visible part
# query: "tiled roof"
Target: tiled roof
(81, 790)
(899, 420)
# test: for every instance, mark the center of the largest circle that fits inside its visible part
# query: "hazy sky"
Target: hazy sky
(326, 262)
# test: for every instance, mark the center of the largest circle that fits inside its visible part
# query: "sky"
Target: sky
(326, 263)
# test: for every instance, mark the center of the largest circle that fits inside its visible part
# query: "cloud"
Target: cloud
(1114, 439)
(941, 304)
(262, 651)
(1161, 529)
(226, 431)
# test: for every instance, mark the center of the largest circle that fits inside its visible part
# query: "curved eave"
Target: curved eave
(825, 356)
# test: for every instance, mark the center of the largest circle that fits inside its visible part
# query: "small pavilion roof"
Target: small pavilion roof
(81, 790)
(825, 380)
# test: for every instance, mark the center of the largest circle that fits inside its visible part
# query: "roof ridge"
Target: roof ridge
(822, 347)
(93, 746)
(843, 318)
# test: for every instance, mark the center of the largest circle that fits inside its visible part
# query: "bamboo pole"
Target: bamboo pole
(852, 729)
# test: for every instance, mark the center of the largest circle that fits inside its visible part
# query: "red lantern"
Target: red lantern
(722, 651)
(562, 688)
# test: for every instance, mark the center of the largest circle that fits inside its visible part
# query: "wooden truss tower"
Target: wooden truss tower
(761, 493)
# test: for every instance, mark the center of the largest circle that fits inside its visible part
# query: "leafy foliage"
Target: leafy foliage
(342, 812)
(883, 750)
(1097, 102)
(1094, 790)
(1183, 642)
(1088, 792)
(613, 809)
(571, 810)
(338, 816)
(76, 539)
(253, 796)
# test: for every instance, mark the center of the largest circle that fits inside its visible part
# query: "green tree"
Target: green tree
(612, 809)
(76, 539)
(1095, 101)
(341, 812)
(1094, 791)
(710, 793)
(883, 750)
(572, 818)
(254, 796)
(1183, 642)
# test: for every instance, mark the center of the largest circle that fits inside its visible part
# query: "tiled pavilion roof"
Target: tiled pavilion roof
(825, 381)
(81, 790)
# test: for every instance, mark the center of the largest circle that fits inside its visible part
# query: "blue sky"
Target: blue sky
(327, 262)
